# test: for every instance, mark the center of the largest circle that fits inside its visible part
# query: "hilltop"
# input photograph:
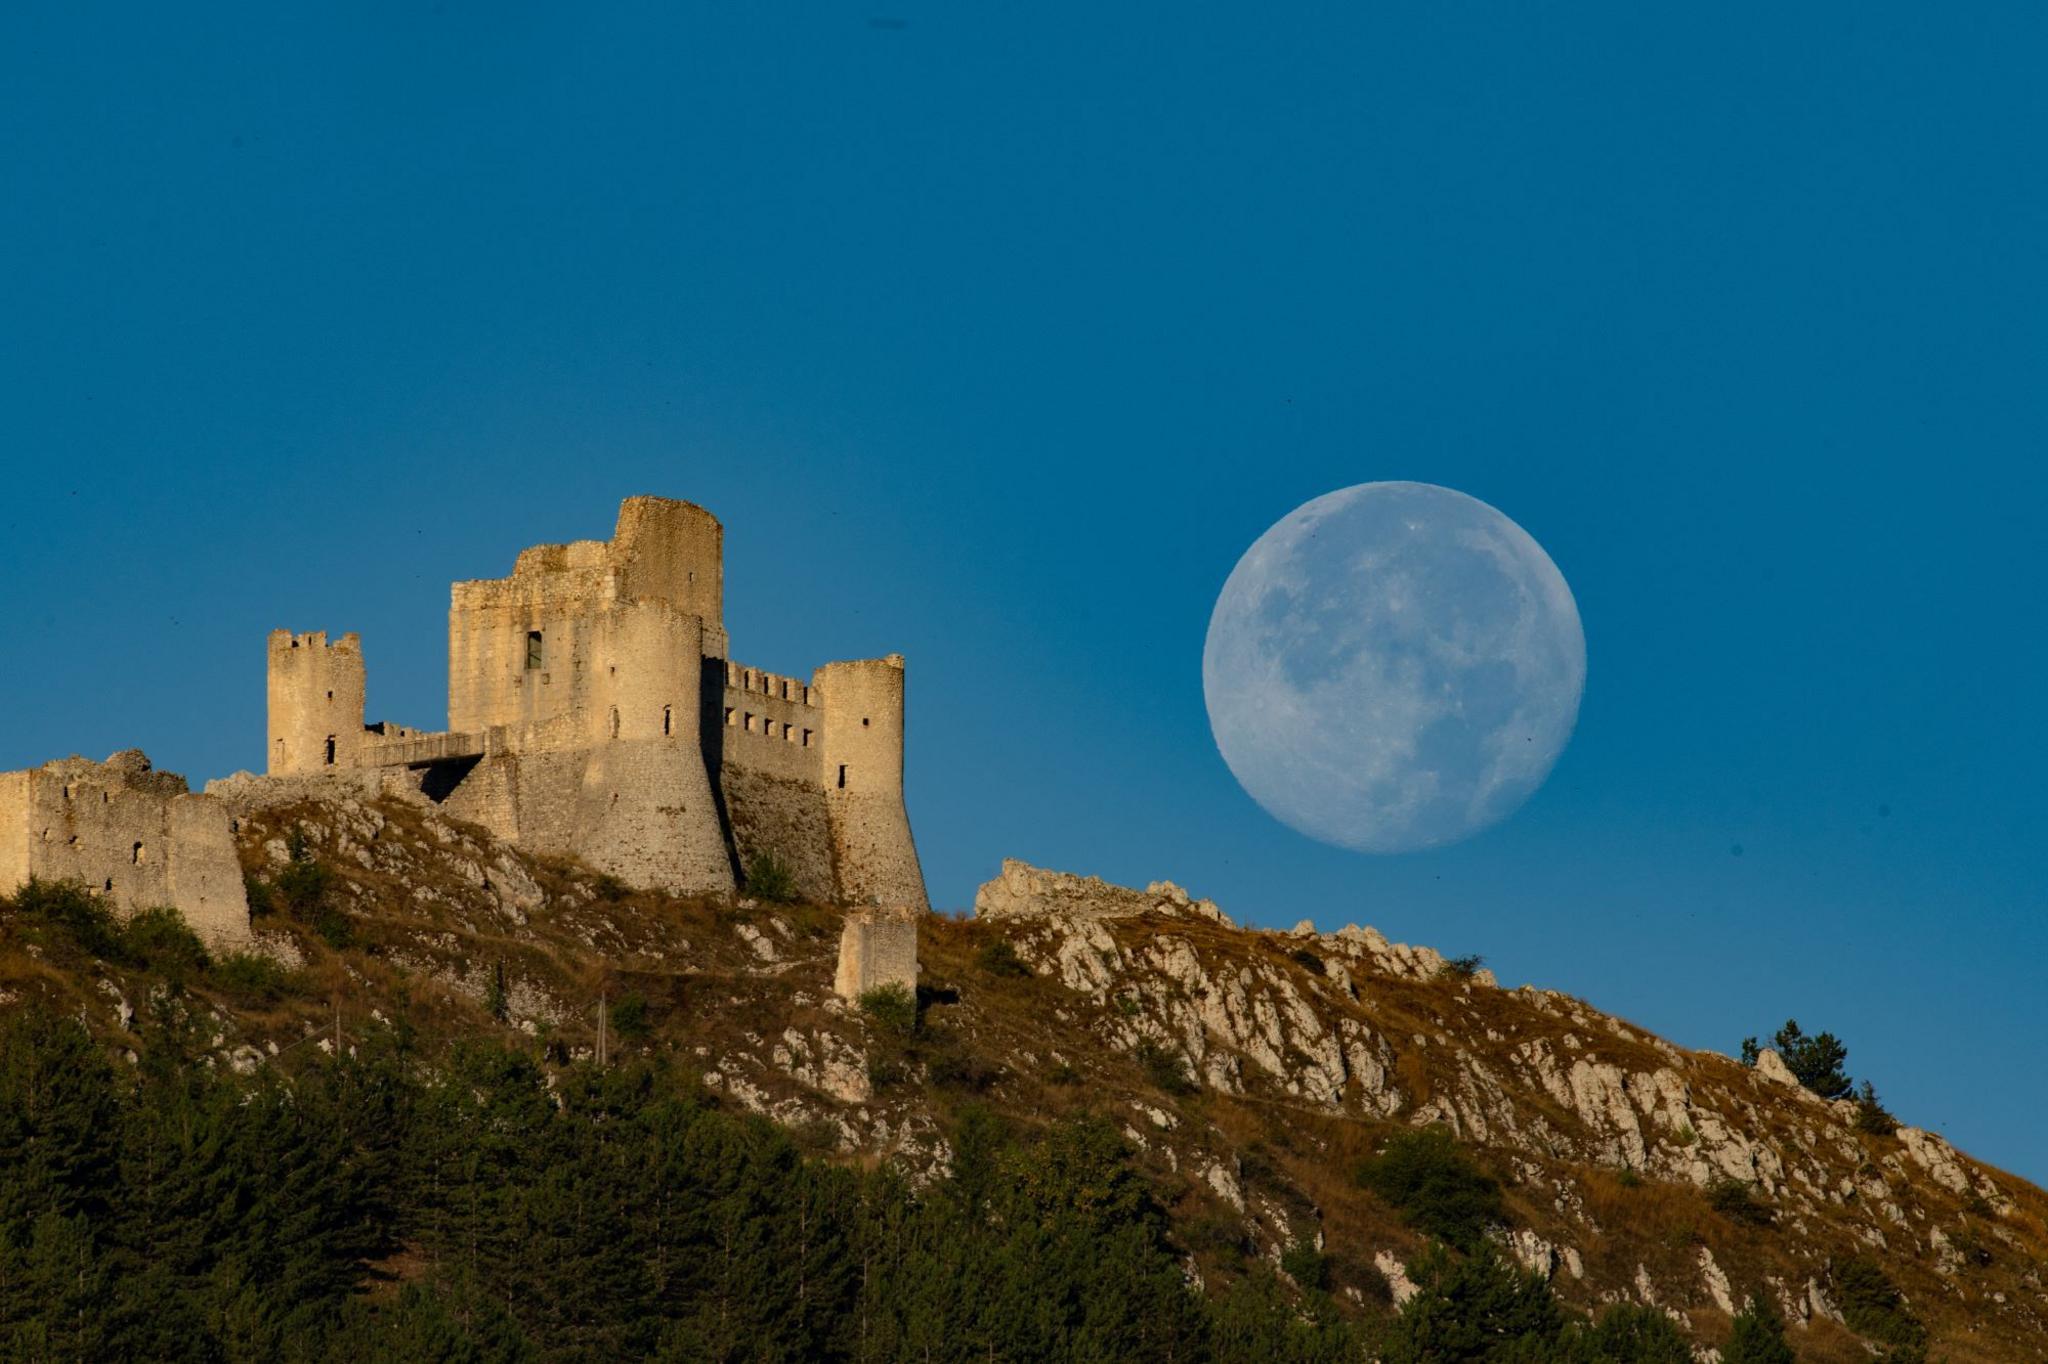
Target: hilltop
(1254, 1079)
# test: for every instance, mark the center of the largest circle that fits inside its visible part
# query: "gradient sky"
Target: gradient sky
(995, 339)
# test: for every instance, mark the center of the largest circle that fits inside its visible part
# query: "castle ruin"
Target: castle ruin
(130, 833)
(594, 710)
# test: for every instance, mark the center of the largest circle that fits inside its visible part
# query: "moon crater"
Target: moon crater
(1393, 666)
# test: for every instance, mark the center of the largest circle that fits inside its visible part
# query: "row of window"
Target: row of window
(762, 724)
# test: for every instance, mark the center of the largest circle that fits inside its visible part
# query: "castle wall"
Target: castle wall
(315, 692)
(130, 833)
(775, 816)
(873, 854)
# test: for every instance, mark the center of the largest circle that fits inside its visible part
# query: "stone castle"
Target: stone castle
(594, 711)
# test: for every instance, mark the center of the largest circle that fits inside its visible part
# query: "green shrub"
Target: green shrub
(998, 958)
(951, 1065)
(1163, 1067)
(891, 1009)
(1872, 1304)
(304, 886)
(1436, 1187)
(159, 940)
(1759, 1337)
(1307, 960)
(1736, 1199)
(610, 888)
(74, 912)
(1307, 1266)
(250, 977)
(769, 878)
(1463, 968)
(629, 1017)
(1871, 1114)
(1628, 1333)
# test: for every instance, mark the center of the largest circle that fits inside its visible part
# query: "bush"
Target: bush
(1736, 1199)
(952, 1066)
(158, 939)
(769, 878)
(250, 977)
(1871, 1114)
(629, 1017)
(73, 911)
(1872, 1304)
(1463, 968)
(891, 1009)
(1307, 1266)
(303, 886)
(610, 888)
(1436, 1187)
(998, 958)
(1759, 1337)
(1628, 1333)
(1164, 1068)
(1308, 961)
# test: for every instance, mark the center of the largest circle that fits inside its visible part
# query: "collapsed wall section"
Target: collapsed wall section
(128, 832)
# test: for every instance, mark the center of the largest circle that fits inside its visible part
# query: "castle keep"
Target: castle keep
(594, 709)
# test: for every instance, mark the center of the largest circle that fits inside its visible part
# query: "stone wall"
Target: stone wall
(877, 947)
(785, 818)
(128, 832)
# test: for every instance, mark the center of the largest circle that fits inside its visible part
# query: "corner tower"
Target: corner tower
(872, 851)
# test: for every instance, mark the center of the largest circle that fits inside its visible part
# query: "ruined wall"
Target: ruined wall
(873, 853)
(877, 947)
(315, 692)
(531, 649)
(128, 832)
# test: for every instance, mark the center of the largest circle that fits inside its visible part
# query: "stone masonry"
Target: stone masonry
(128, 832)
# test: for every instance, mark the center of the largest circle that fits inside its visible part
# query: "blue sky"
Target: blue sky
(995, 338)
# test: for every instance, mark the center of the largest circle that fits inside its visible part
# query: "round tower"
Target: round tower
(875, 858)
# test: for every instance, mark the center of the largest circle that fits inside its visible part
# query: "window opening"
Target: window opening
(532, 649)
(330, 750)
(842, 776)
(666, 715)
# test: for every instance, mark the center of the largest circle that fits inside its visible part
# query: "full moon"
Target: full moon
(1392, 667)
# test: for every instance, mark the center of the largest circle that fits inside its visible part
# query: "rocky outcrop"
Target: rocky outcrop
(1025, 891)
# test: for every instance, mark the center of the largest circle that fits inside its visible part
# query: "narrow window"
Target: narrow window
(807, 738)
(789, 733)
(330, 696)
(110, 885)
(863, 722)
(330, 750)
(532, 650)
(732, 717)
(842, 776)
(666, 716)
(135, 856)
(615, 722)
(748, 724)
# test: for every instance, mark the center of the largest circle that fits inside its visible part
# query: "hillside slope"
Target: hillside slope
(1251, 1072)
